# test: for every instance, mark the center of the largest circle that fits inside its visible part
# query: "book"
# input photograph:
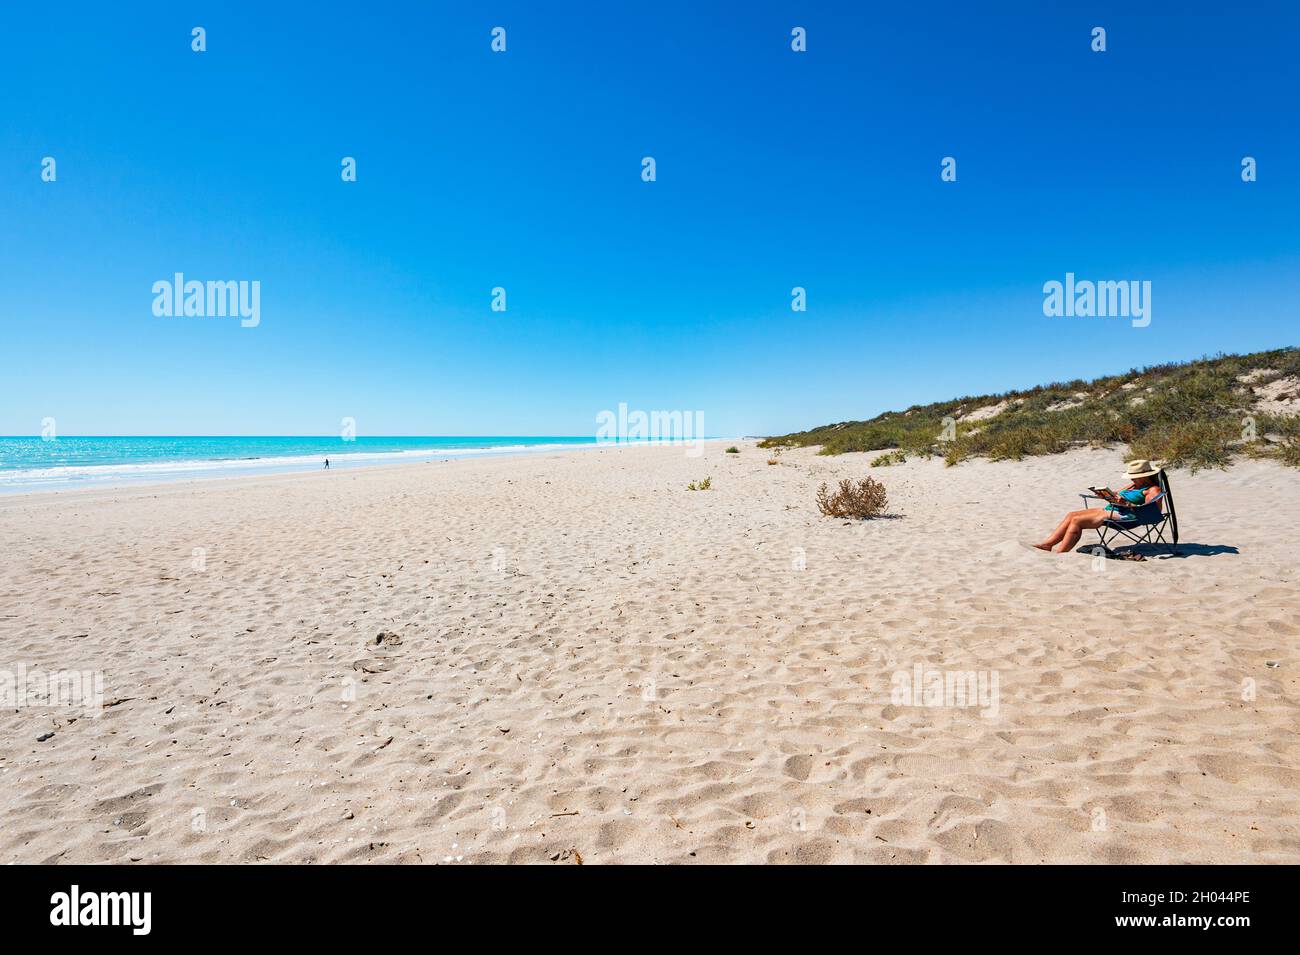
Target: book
(1109, 496)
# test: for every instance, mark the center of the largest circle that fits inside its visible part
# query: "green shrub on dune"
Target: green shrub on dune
(886, 460)
(1193, 414)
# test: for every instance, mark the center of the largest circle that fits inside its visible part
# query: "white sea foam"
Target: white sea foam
(82, 475)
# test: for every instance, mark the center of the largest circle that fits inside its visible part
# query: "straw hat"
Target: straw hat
(1143, 468)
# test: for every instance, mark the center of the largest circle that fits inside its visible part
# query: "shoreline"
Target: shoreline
(197, 475)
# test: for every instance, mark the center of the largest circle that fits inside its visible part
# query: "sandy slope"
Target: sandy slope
(593, 658)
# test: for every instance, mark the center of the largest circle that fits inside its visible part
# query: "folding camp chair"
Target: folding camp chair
(1156, 518)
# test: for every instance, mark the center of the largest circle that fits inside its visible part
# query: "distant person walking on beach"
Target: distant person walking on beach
(327, 464)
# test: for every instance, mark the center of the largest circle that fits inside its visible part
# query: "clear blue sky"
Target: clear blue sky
(522, 169)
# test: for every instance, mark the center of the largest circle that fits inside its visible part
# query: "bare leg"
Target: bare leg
(1080, 522)
(1060, 532)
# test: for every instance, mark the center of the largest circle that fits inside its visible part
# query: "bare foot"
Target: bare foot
(1046, 547)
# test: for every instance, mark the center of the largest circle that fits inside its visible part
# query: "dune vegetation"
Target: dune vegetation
(1193, 414)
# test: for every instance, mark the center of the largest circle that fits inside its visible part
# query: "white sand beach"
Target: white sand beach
(583, 661)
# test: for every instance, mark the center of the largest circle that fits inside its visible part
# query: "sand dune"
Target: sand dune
(582, 660)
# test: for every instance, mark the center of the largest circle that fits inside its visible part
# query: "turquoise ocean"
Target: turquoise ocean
(30, 463)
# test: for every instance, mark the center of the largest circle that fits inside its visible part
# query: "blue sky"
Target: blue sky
(522, 169)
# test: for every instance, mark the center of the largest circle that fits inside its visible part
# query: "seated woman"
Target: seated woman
(1143, 489)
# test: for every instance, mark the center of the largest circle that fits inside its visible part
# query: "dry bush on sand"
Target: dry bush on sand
(864, 499)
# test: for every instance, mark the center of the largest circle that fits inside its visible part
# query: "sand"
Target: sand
(585, 661)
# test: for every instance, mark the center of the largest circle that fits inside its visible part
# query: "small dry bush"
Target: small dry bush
(864, 499)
